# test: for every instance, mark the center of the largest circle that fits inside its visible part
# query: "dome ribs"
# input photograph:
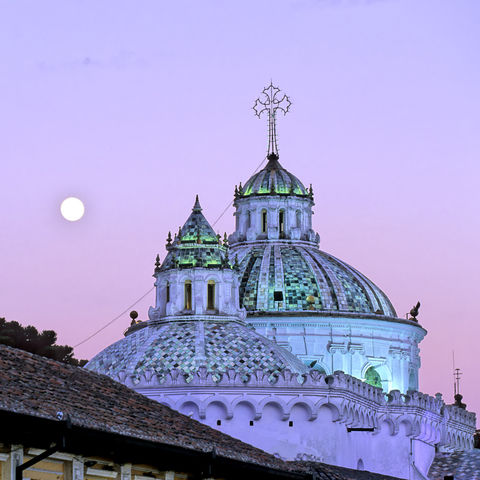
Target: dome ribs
(329, 298)
(335, 284)
(263, 281)
(300, 281)
(279, 274)
(249, 283)
(359, 299)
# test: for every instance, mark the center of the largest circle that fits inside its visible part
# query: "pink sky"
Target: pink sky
(137, 106)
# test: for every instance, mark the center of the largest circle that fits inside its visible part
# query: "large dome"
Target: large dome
(273, 179)
(220, 346)
(287, 277)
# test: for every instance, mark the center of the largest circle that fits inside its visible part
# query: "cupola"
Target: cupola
(196, 277)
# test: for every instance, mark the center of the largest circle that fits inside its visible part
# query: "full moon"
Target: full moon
(72, 209)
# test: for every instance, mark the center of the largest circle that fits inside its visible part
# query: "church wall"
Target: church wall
(351, 345)
(312, 420)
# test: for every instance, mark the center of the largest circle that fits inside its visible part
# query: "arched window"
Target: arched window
(281, 222)
(373, 378)
(249, 219)
(167, 290)
(264, 221)
(298, 215)
(211, 295)
(188, 295)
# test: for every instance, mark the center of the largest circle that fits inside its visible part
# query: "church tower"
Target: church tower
(323, 310)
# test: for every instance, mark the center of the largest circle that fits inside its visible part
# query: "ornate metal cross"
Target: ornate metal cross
(271, 102)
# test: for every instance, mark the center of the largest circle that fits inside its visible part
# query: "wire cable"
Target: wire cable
(146, 293)
(113, 320)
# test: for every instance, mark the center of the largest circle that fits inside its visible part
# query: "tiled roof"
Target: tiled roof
(462, 465)
(37, 386)
(188, 345)
(273, 179)
(196, 245)
(298, 272)
(325, 472)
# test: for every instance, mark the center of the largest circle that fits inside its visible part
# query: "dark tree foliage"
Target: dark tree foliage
(29, 339)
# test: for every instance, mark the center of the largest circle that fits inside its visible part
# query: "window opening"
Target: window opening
(188, 295)
(281, 222)
(299, 218)
(168, 291)
(372, 377)
(290, 423)
(264, 221)
(211, 295)
(219, 422)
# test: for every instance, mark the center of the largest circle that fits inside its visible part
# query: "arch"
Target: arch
(244, 409)
(404, 423)
(274, 401)
(190, 408)
(372, 377)
(221, 401)
(360, 465)
(387, 425)
(216, 409)
(306, 404)
(333, 409)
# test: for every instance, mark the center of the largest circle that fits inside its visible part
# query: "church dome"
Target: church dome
(273, 179)
(185, 346)
(284, 277)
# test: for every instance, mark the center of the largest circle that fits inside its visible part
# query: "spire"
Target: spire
(270, 102)
(197, 207)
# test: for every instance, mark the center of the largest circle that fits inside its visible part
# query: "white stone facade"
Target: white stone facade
(335, 419)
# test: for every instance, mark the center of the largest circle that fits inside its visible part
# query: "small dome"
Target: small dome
(160, 347)
(195, 245)
(287, 278)
(273, 179)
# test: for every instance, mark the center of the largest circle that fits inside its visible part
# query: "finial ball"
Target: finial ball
(133, 314)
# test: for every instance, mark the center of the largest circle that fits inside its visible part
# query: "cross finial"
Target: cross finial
(271, 101)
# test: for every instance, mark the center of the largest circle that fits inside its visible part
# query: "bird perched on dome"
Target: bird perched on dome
(414, 311)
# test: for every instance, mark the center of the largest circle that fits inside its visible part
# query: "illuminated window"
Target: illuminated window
(281, 221)
(188, 295)
(264, 221)
(168, 291)
(373, 378)
(211, 295)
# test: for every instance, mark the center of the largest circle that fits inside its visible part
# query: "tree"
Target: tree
(44, 343)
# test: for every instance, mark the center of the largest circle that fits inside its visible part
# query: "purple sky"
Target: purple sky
(136, 106)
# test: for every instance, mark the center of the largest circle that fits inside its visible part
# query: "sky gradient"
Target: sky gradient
(136, 106)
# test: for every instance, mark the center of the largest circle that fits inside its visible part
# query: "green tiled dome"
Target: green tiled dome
(273, 179)
(288, 278)
(187, 346)
(195, 245)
